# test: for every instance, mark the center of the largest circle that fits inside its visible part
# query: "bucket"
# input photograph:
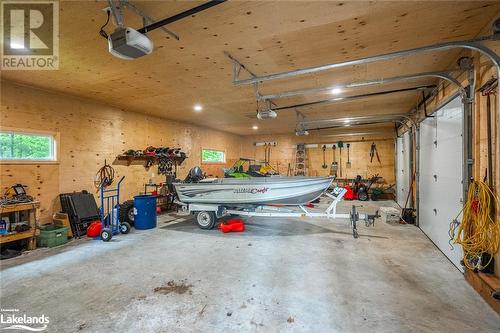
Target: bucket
(145, 212)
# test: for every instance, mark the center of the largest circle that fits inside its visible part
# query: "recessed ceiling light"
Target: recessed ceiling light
(255, 127)
(198, 108)
(336, 91)
(347, 121)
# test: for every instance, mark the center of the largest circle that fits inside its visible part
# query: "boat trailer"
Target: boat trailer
(207, 214)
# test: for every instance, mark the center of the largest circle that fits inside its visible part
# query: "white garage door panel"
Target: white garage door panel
(449, 148)
(449, 119)
(427, 132)
(441, 196)
(402, 168)
(427, 138)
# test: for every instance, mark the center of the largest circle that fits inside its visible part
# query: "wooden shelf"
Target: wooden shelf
(34, 208)
(19, 207)
(15, 236)
(145, 159)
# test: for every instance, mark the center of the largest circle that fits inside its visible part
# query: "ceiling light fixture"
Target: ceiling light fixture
(266, 114)
(255, 127)
(198, 108)
(301, 132)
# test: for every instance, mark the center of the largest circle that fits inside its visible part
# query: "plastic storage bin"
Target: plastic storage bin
(52, 235)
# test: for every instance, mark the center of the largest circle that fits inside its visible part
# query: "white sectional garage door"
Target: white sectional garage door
(402, 168)
(440, 180)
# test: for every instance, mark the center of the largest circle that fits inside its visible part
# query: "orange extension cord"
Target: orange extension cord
(479, 231)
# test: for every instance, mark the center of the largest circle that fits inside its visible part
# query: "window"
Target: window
(213, 156)
(19, 146)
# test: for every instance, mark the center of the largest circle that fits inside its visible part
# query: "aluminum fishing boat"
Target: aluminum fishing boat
(253, 191)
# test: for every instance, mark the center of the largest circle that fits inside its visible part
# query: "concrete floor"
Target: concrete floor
(296, 275)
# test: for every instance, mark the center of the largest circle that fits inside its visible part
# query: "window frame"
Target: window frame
(213, 163)
(55, 142)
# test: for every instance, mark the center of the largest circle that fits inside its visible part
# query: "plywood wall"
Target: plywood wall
(284, 154)
(90, 133)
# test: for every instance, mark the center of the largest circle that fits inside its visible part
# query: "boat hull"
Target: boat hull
(254, 191)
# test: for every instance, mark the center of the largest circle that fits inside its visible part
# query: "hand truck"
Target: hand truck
(110, 212)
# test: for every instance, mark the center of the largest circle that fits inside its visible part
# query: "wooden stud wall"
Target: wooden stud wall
(89, 134)
(484, 73)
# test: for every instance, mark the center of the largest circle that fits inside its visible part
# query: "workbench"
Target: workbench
(33, 211)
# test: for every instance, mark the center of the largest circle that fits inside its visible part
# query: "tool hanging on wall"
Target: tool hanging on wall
(348, 164)
(324, 166)
(104, 176)
(489, 88)
(340, 144)
(374, 152)
(335, 165)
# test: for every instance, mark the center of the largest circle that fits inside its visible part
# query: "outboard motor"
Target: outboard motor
(194, 175)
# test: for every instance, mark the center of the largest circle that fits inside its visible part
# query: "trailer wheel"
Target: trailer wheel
(124, 227)
(127, 212)
(106, 234)
(205, 220)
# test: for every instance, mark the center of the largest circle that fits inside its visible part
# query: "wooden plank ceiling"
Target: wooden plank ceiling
(267, 37)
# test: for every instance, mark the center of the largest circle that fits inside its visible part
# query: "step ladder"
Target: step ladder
(301, 160)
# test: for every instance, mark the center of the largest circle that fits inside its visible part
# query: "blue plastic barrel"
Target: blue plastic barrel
(144, 212)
